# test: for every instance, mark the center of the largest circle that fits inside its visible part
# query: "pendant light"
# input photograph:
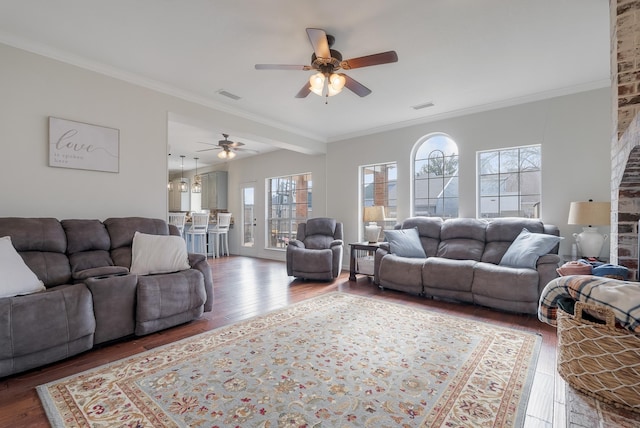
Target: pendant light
(184, 187)
(197, 186)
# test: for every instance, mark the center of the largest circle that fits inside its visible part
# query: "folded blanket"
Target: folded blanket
(622, 297)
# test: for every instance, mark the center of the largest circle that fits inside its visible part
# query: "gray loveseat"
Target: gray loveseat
(463, 263)
(90, 296)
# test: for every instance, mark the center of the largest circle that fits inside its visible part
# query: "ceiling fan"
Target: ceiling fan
(228, 148)
(327, 61)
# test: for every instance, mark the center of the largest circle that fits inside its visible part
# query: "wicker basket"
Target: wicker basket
(602, 361)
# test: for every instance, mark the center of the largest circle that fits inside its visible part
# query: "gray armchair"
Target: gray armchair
(316, 253)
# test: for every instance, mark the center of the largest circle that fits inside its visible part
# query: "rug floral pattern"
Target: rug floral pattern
(334, 361)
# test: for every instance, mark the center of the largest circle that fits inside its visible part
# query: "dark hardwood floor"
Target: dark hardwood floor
(246, 287)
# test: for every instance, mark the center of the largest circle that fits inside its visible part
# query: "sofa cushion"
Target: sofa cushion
(454, 275)
(525, 250)
(41, 242)
(122, 229)
(462, 239)
(401, 273)
(405, 243)
(34, 234)
(506, 283)
(501, 232)
(320, 226)
(85, 235)
(158, 254)
(15, 276)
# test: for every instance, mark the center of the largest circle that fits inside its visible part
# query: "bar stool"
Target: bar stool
(178, 220)
(220, 235)
(198, 231)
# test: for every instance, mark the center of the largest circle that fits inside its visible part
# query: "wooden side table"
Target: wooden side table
(356, 248)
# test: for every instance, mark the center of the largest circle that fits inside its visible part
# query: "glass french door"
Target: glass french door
(248, 232)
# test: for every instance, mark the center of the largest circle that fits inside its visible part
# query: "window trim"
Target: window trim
(268, 207)
(479, 175)
(412, 165)
(361, 199)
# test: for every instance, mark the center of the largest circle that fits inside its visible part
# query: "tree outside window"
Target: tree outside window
(510, 182)
(435, 183)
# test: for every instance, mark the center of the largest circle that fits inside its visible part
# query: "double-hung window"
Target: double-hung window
(379, 190)
(510, 182)
(289, 203)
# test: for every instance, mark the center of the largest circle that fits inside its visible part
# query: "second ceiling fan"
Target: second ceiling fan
(228, 148)
(327, 62)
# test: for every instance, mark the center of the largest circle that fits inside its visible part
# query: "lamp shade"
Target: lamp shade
(590, 213)
(373, 214)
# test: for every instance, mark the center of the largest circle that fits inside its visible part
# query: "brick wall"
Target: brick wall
(625, 65)
(625, 146)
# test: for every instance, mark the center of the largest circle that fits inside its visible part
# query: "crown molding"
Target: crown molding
(136, 79)
(539, 96)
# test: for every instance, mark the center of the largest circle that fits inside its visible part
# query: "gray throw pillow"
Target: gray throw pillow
(525, 250)
(405, 242)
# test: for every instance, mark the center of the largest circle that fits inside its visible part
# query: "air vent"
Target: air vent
(421, 106)
(228, 94)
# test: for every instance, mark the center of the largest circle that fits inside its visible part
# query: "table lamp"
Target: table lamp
(372, 215)
(590, 213)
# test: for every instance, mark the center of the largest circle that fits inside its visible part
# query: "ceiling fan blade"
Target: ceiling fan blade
(368, 60)
(318, 39)
(235, 144)
(304, 91)
(282, 67)
(356, 87)
(206, 150)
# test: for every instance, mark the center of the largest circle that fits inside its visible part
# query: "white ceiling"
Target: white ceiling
(461, 55)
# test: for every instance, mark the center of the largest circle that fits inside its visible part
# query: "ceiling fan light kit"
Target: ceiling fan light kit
(226, 154)
(326, 82)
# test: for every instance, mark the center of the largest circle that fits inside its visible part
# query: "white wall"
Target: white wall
(33, 87)
(257, 169)
(574, 132)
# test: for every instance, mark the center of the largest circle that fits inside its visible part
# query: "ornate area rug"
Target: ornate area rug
(333, 361)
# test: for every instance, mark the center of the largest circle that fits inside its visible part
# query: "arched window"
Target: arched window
(435, 177)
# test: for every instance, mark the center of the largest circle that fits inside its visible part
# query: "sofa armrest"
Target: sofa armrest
(194, 259)
(382, 251)
(296, 243)
(199, 262)
(99, 272)
(336, 243)
(546, 268)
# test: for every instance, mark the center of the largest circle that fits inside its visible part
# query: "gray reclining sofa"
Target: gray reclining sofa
(463, 263)
(90, 296)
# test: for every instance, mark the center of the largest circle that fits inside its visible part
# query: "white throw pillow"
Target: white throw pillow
(15, 276)
(158, 254)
